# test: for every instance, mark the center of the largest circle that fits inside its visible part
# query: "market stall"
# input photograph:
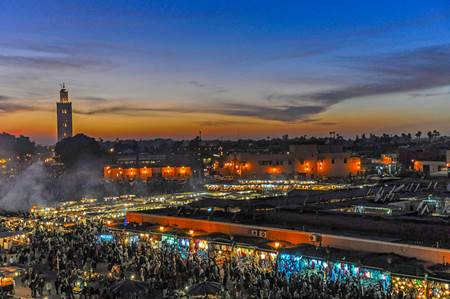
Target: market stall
(421, 288)
(178, 244)
(332, 264)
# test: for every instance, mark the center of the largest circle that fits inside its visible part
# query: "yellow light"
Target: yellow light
(191, 232)
(277, 244)
(202, 245)
(161, 228)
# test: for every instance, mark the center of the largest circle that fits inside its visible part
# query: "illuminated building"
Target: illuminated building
(64, 114)
(118, 173)
(283, 235)
(144, 167)
(308, 161)
(431, 168)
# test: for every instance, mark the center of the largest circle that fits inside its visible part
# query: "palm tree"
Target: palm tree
(418, 134)
(436, 133)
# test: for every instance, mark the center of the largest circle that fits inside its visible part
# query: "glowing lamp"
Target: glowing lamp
(191, 232)
(202, 245)
(277, 245)
(161, 228)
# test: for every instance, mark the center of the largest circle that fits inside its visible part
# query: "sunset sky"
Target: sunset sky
(232, 69)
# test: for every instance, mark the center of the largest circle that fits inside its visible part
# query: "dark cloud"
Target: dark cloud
(419, 69)
(408, 71)
(7, 105)
(132, 110)
(197, 83)
(13, 107)
(430, 94)
(93, 99)
(3, 98)
(281, 113)
(210, 87)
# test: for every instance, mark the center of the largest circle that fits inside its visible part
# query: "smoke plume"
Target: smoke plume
(26, 190)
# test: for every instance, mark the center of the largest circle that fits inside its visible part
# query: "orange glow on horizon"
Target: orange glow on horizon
(41, 125)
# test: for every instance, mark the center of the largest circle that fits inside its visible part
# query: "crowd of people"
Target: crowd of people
(64, 262)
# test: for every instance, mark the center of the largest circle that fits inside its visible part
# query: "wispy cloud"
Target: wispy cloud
(408, 71)
(207, 86)
(52, 55)
(13, 107)
(93, 99)
(196, 83)
(133, 110)
(429, 94)
(3, 97)
(49, 62)
(400, 72)
(280, 113)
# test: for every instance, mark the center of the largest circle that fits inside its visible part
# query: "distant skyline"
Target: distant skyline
(232, 69)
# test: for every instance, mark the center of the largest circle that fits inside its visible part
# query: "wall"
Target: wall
(434, 255)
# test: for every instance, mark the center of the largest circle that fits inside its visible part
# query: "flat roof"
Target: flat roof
(402, 230)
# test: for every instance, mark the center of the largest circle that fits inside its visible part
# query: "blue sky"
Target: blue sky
(229, 68)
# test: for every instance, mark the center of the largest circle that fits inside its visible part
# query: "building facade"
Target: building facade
(64, 115)
(118, 173)
(145, 167)
(307, 161)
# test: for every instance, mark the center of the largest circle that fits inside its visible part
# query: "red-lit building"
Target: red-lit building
(307, 161)
(145, 167)
(120, 173)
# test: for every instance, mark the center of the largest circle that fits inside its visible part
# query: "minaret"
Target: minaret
(64, 114)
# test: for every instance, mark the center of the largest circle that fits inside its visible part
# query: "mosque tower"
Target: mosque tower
(64, 114)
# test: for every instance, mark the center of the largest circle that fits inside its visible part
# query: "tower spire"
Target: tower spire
(64, 114)
(63, 94)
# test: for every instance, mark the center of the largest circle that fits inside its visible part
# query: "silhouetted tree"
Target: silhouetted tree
(418, 134)
(80, 148)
